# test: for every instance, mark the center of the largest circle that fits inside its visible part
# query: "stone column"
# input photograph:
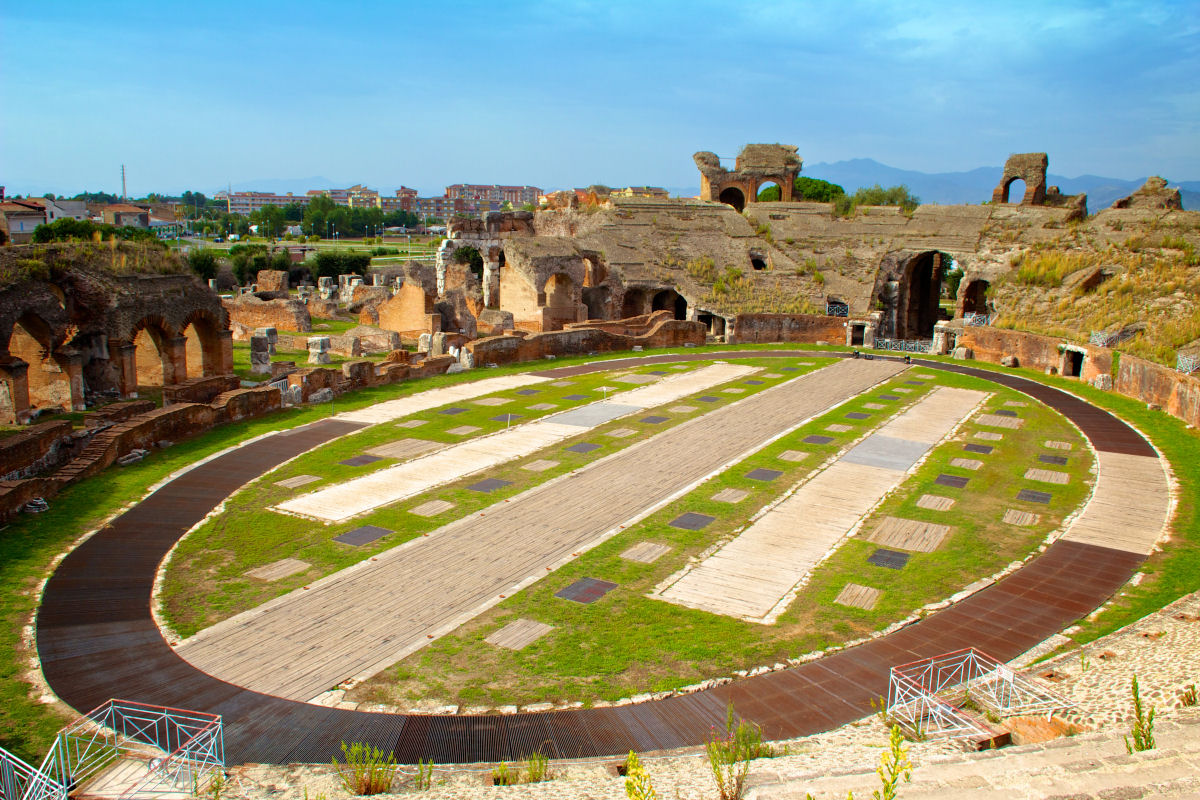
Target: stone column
(318, 350)
(174, 360)
(14, 382)
(941, 339)
(260, 355)
(125, 354)
(71, 362)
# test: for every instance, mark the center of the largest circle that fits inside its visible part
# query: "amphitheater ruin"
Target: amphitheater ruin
(816, 417)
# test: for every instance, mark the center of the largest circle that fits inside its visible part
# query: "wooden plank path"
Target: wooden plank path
(393, 484)
(96, 638)
(433, 398)
(753, 575)
(1126, 511)
(364, 618)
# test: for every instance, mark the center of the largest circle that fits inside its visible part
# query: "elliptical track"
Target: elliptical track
(97, 640)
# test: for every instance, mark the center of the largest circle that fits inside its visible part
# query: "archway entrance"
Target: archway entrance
(152, 357)
(975, 297)
(633, 304)
(670, 300)
(714, 323)
(49, 384)
(769, 192)
(921, 293)
(733, 196)
(1014, 191)
(596, 299)
(562, 300)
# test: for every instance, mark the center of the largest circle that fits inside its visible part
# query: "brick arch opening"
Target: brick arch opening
(975, 297)
(202, 350)
(921, 293)
(49, 383)
(670, 300)
(733, 196)
(769, 191)
(152, 354)
(633, 304)
(1014, 191)
(562, 299)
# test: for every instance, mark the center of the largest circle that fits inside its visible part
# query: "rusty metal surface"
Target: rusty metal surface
(97, 640)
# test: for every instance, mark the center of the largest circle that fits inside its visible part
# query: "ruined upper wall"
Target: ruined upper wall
(1154, 194)
(755, 165)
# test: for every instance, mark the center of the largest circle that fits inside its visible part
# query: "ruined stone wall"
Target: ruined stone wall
(580, 341)
(1032, 350)
(410, 312)
(34, 449)
(631, 326)
(199, 390)
(248, 312)
(808, 328)
(1176, 393)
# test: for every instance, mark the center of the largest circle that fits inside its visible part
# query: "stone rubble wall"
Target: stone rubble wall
(34, 449)
(1175, 392)
(199, 390)
(247, 313)
(580, 341)
(807, 328)
(1034, 351)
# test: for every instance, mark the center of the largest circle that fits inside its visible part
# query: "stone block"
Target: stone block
(1104, 382)
(260, 355)
(318, 350)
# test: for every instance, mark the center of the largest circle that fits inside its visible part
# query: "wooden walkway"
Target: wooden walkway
(433, 398)
(96, 638)
(1126, 511)
(364, 618)
(391, 485)
(753, 576)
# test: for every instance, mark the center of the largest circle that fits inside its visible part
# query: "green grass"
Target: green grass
(627, 644)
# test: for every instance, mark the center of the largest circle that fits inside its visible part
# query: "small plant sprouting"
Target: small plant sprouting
(366, 771)
(423, 779)
(1084, 663)
(537, 768)
(1143, 724)
(729, 755)
(501, 776)
(1188, 697)
(637, 780)
(894, 766)
(320, 796)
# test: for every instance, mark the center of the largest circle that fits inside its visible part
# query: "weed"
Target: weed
(729, 756)
(1143, 724)
(320, 796)
(1188, 697)
(637, 780)
(366, 771)
(1084, 663)
(502, 777)
(537, 768)
(423, 779)
(894, 766)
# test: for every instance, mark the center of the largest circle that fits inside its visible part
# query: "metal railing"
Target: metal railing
(976, 320)
(837, 310)
(19, 781)
(904, 345)
(190, 747)
(922, 694)
(1187, 364)
(1106, 339)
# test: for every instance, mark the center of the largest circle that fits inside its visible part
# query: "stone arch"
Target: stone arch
(562, 300)
(769, 183)
(1015, 190)
(598, 300)
(203, 346)
(974, 296)
(633, 304)
(47, 377)
(1027, 167)
(733, 196)
(594, 272)
(920, 295)
(670, 300)
(153, 357)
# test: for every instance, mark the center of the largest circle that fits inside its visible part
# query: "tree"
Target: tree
(877, 196)
(247, 260)
(470, 257)
(804, 188)
(203, 262)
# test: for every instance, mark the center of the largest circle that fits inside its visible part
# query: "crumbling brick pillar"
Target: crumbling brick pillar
(14, 391)
(71, 362)
(125, 354)
(174, 360)
(224, 365)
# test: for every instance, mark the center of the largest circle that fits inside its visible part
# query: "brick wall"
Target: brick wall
(35, 448)
(806, 328)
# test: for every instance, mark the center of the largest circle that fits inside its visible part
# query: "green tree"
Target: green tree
(247, 260)
(470, 257)
(804, 188)
(203, 262)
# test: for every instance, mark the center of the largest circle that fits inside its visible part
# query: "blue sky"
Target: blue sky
(561, 92)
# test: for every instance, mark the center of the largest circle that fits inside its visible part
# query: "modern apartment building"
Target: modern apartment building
(246, 202)
(515, 195)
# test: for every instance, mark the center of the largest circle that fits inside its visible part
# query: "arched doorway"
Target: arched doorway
(152, 357)
(975, 297)
(1014, 191)
(920, 295)
(32, 341)
(633, 304)
(202, 350)
(769, 192)
(715, 323)
(562, 300)
(732, 196)
(670, 300)
(597, 299)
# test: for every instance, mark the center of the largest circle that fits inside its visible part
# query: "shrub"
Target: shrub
(203, 262)
(470, 257)
(366, 770)
(332, 264)
(1143, 724)
(637, 780)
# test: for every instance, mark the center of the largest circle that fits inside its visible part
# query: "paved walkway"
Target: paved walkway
(752, 576)
(364, 618)
(433, 398)
(386, 486)
(1127, 511)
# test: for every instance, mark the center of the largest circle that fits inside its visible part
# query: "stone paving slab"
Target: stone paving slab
(431, 508)
(966, 463)
(464, 430)
(793, 455)
(636, 378)
(492, 401)
(730, 495)
(1048, 476)
(621, 433)
(681, 409)
(519, 634)
(934, 502)
(411, 423)
(888, 452)
(646, 552)
(433, 398)
(838, 428)
(543, 406)
(988, 436)
(1056, 445)
(594, 414)
(297, 481)
(541, 465)
(1013, 516)
(909, 534)
(278, 569)
(995, 421)
(857, 596)
(404, 448)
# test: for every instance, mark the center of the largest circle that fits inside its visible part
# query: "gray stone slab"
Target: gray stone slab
(586, 590)
(621, 433)
(1030, 496)
(838, 428)
(360, 536)
(299, 480)
(578, 397)
(966, 463)
(982, 449)
(858, 415)
(452, 410)
(488, 485)
(886, 452)
(887, 397)
(278, 569)
(412, 423)
(592, 415)
(403, 448)
(753, 383)
(562, 383)
(507, 418)
(542, 407)
(582, 447)
(708, 398)
(528, 392)
(761, 474)
(793, 455)
(1060, 461)
(691, 521)
(464, 430)
(360, 460)
(541, 465)
(816, 438)
(681, 409)
(636, 378)
(989, 436)
(953, 481)
(892, 559)
(492, 401)
(653, 420)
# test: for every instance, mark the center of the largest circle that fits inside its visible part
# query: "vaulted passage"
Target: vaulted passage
(733, 197)
(975, 297)
(921, 292)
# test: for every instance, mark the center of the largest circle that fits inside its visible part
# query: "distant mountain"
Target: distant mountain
(975, 186)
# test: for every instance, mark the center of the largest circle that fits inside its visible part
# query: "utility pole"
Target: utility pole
(124, 196)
